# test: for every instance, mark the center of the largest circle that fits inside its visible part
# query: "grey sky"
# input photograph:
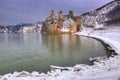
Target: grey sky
(24, 11)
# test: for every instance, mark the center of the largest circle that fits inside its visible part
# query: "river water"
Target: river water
(36, 52)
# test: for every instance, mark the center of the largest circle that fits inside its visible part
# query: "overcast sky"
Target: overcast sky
(25, 11)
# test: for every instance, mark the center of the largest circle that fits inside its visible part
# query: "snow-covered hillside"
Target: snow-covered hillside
(101, 15)
(22, 27)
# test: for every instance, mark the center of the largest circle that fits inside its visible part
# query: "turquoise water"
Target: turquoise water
(36, 52)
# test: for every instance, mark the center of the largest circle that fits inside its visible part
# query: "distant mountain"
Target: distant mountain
(21, 27)
(17, 27)
(108, 15)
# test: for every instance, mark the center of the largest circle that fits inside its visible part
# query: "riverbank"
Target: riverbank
(103, 68)
(109, 36)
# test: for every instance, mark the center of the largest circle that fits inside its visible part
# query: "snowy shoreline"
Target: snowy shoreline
(111, 38)
(103, 68)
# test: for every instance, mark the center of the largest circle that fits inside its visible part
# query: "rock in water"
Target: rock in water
(23, 74)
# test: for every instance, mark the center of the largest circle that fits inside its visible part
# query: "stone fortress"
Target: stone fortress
(62, 23)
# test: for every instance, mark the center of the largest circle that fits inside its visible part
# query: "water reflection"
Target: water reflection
(34, 51)
(9, 40)
(60, 42)
(16, 39)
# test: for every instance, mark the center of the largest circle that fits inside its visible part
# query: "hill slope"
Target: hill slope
(107, 15)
